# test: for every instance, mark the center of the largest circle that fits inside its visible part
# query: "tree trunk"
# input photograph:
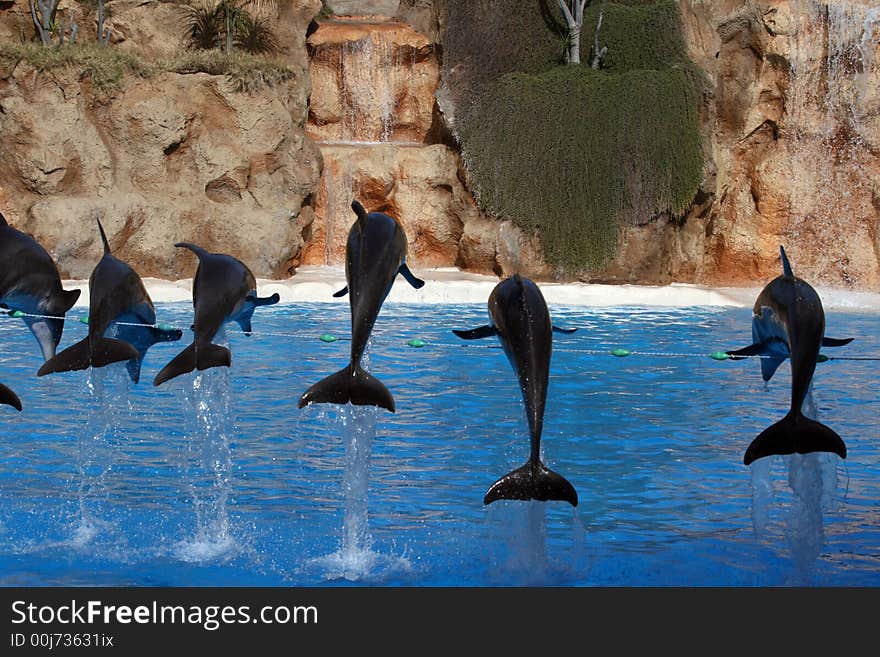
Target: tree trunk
(574, 45)
(228, 33)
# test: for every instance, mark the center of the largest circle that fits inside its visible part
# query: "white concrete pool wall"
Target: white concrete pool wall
(453, 286)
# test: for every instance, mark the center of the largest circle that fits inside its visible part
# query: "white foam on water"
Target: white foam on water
(202, 549)
(355, 564)
(449, 285)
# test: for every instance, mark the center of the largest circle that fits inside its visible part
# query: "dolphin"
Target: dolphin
(8, 396)
(788, 321)
(374, 255)
(522, 323)
(30, 283)
(224, 290)
(116, 294)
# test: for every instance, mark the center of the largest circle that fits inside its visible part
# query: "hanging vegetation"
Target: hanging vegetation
(571, 151)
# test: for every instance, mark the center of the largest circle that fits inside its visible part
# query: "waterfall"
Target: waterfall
(373, 84)
(832, 106)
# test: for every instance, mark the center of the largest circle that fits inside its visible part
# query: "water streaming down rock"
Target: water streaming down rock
(373, 84)
(833, 122)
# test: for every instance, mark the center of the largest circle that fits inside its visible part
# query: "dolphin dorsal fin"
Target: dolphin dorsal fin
(103, 237)
(199, 251)
(359, 211)
(786, 265)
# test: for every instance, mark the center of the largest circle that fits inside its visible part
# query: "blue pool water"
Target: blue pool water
(218, 478)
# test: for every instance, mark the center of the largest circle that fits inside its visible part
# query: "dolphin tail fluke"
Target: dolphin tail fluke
(836, 342)
(106, 351)
(8, 396)
(76, 357)
(533, 481)
(354, 385)
(98, 353)
(208, 356)
(795, 433)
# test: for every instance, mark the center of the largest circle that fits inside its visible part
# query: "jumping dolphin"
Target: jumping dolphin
(116, 294)
(788, 321)
(224, 290)
(374, 255)
(522, 323)
(30, 283)
(8, 396)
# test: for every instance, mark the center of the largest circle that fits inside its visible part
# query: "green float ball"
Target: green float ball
(718, 355)
(84, 320)
(165, 327)
(822, 358)
(17, 313)
(416, 343)
(620, 352)
(326, 337)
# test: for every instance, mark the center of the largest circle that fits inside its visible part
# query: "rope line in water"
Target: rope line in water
(418, 343)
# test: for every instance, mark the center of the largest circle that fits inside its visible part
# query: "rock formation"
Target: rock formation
(790, 115)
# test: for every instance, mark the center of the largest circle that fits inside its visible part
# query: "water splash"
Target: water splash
(98, 440)
(356, 560)
(206, 462)
(812, 479)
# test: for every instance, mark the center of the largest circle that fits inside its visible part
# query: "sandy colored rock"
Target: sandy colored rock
(167, 159)
(371, 82)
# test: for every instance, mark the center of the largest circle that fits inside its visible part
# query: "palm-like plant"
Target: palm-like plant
(230, 22)
(255, 35)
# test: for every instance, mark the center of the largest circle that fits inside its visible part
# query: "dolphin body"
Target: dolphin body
(30, 283)
(521, 321)
(788, 321)
(224, 290)
(374, 255)
(116, 294)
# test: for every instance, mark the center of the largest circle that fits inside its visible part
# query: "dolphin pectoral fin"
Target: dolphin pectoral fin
(47, 332)
(358, 387)
(410, 277)
(75, 357)
(245, 324)
(835, 342)
(267, 301)
(752, 350)
(485, 331)
(134, 369)
(769, 367)
(165, 335)
(533, 481)
(66, 300)
(341, 292)
(566, 331)
(795, 433)
(8, 397)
